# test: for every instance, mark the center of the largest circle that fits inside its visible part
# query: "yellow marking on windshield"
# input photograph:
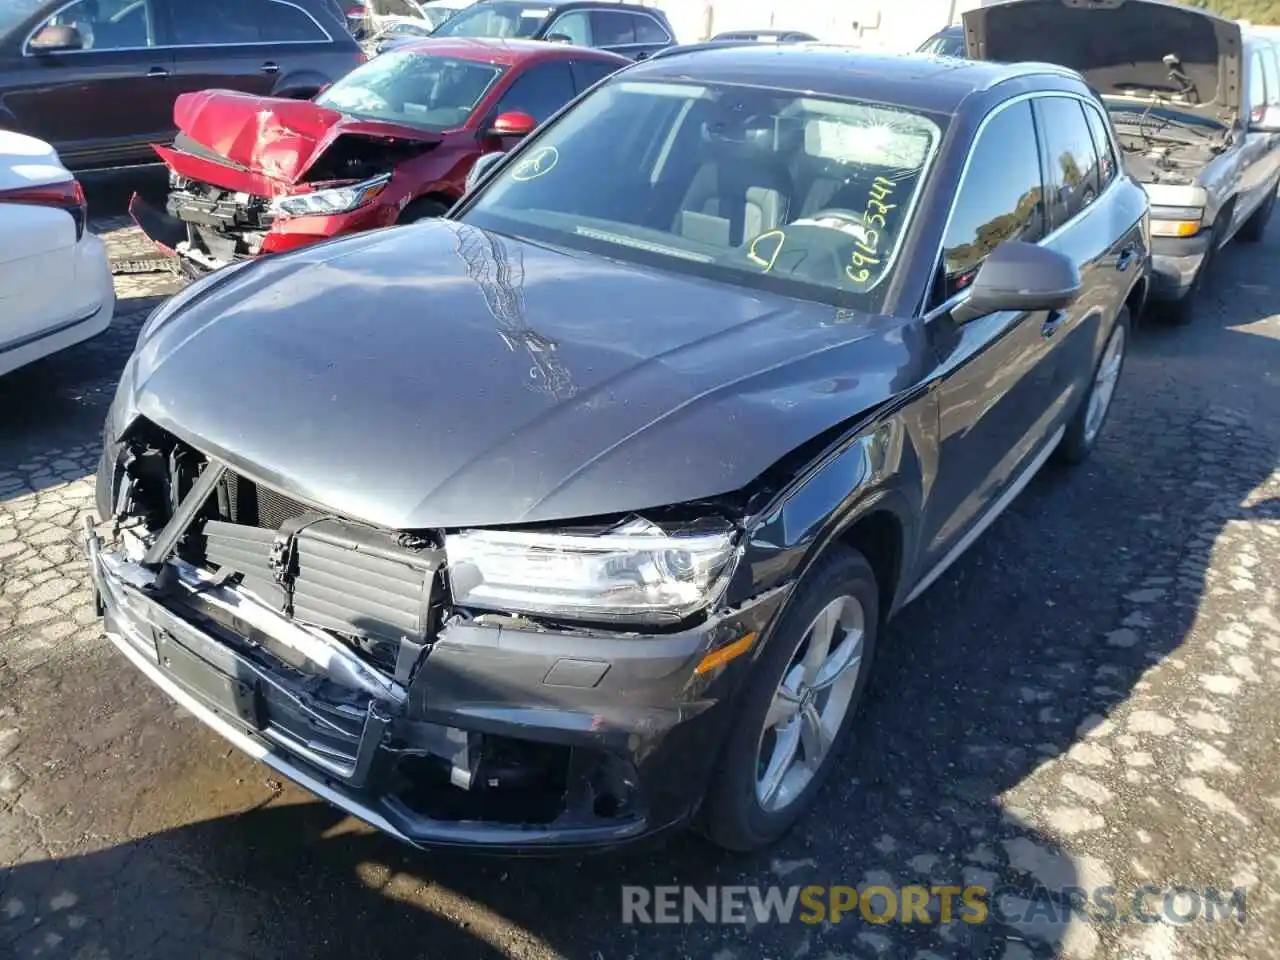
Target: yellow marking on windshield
(766, 264)
(539, 163)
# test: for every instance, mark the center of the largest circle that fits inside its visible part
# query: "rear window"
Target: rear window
(496, 20)
(434, 93)
(805, 195)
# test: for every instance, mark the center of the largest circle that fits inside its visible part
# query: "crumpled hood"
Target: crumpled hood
(275, 137)
(1116, 44)
(437, 375)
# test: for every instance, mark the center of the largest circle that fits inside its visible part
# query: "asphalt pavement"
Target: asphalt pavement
(1086, 700)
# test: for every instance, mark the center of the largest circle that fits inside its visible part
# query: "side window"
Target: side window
(395, 8)
(576, 25)
(228, 21)
(107, 24)
(285, 23)
(1257, 87)
(999, 199)
(587, 73)
(612, 28)
(243, 21)
(1271, 72)
(649, 30)
(1102, 146)
(540, 91)
(1071, 182)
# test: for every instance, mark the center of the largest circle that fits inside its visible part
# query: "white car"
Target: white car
(55, 282)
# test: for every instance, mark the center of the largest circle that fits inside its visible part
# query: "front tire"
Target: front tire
(424, 208)
(794, 714)
(1086, 426)
(1255, 228)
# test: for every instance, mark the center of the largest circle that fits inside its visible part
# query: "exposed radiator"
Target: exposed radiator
(337, 575)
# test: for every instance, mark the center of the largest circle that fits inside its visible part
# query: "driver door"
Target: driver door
(103, 104)
(996, 395)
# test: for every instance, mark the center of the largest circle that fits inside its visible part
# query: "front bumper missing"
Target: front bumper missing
(663, 749)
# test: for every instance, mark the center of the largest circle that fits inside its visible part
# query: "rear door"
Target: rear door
(629, 33)
(996, 397)
(254, 46)
(1089, 229)
(104, 103)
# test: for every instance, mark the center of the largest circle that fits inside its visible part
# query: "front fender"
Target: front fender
(884, 465)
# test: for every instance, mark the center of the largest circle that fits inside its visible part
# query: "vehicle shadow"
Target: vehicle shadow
(1008, 671)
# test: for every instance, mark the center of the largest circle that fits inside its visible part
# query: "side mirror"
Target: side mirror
(1020, 276)
(480, 167)
(56, 38)
(558, 38)
(513, 123)
(1266, 120)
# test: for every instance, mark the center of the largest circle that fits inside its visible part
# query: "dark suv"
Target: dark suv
(98, 78)
(626, 28)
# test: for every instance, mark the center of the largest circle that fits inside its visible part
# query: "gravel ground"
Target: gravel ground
(1082, 701)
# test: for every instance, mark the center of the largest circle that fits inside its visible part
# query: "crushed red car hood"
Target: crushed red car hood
(273, 137)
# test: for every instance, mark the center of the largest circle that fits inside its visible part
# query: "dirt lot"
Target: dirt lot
(1086, 699)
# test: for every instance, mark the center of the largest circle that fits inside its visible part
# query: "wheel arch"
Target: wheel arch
(865, 492)
(299, 85)
(433, 194)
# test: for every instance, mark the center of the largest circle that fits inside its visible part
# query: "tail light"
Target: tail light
(66, 195)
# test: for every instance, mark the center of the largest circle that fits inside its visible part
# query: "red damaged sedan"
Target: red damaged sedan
(389, 143)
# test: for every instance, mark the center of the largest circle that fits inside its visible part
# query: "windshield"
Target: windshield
(495, 20)
(944, 45)
(14, 12)
(805, 195)
(418, 90)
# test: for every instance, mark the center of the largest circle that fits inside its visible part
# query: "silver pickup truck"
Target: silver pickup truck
(1196, 108)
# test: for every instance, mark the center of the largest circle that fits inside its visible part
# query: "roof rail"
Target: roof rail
(681, 48)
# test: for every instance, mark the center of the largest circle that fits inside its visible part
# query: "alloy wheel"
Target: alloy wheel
(1104, 384)
(810, 703)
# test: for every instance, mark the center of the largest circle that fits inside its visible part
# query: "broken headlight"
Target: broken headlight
(321, 203)
(632, 573)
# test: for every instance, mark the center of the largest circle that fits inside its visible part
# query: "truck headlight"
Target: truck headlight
(321, 203)
(632, 573)
(1176, 221)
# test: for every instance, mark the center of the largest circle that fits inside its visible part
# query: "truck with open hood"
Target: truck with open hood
(1195, 116)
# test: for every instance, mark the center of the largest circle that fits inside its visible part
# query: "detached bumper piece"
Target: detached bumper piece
(324, 648)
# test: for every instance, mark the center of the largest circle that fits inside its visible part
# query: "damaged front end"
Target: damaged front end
(335, 652)
(250, 176)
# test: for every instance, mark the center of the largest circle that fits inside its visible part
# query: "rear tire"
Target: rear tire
(841, 590)
(424, 208)
(1086, 426)
(1255, 228)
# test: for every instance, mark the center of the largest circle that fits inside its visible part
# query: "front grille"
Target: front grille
(240, 500)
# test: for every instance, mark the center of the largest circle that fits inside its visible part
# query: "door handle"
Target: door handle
(1052, 325)
(1126, 258)
(270, 67)
(157, 72)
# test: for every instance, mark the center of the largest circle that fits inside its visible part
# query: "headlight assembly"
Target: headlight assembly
(632, 573)
(1175, 221)
(320, 203)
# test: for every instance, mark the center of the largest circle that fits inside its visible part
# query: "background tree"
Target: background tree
(1261, 12)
